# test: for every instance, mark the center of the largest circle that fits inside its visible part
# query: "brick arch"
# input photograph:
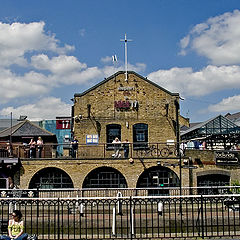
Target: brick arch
(148, 175)
(215, 172)
(112, 178)
(59, 174)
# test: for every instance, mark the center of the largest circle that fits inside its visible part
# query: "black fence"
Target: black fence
(113, 192)
(127, 217)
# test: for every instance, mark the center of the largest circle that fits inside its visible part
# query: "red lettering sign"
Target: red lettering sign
(124, 105)
(63, 124)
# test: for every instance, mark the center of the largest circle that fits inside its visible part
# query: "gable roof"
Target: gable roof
(233, 117)
(123, 72)
(214, 126)
(25, 129)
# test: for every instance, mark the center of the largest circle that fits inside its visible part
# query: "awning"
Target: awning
(9, 161)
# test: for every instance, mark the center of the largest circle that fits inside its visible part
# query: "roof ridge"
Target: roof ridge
(122, 72)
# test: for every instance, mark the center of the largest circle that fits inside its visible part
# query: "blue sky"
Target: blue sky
(50, 50)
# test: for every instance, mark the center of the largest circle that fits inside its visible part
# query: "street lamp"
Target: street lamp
(177, 107)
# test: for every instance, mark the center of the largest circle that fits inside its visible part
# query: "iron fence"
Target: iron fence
(127, 217)
(113, 192)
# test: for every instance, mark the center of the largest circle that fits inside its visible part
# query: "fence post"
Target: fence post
(131, 219)
(202, 216)
(119, 203)
(114, 222)
(58, 219)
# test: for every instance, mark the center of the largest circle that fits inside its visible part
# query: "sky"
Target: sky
(50, 50)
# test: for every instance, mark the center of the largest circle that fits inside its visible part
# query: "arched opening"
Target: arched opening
(158, 178)
(209, 180)
(105, 177)
(49, 178)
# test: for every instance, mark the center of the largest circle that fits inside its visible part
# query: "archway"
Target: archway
(158, 178)
(209, 180)
(49, 178)
(104, 177)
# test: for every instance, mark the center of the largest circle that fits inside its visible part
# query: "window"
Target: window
(92, 139)
(49, 178)
(210, 181)
(140, 135)
(113, 131)
(104, 177)
(158, 179)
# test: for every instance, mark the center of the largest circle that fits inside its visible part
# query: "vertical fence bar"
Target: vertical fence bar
(202, 216)
(114, 222)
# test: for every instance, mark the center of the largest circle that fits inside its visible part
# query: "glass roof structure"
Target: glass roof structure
(219, 129)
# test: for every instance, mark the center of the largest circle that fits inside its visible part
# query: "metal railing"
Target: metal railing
(112, 192)
(96, 151)
(127, 217)
(92, 151)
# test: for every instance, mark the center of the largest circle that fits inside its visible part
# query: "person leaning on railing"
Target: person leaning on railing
(15, 227)
(39, 146)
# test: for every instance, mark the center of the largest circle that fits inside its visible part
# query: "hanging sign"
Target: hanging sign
(226, 158)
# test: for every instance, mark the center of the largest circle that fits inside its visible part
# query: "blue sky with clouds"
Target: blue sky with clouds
(50, 50)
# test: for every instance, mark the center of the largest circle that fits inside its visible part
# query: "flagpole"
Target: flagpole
(126, 64)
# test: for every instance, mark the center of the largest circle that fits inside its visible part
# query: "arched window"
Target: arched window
(209, 180)
(105, 177)
(113, 131)
(140, 135)
(159, 178)
(49, 178)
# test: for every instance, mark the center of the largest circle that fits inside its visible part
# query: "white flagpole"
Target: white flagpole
(126, 64)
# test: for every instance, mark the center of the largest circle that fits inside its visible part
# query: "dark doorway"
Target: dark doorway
(105, 177)
(210, 182)
(159, 179)
(49, 178)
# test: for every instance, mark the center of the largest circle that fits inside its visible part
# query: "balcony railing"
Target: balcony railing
(103, 150)
(97, 151)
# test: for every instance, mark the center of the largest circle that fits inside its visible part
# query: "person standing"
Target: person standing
(40, 146)
(117, 146)
(74, 144)
(32, 151)
(15, 227)
(126, 148)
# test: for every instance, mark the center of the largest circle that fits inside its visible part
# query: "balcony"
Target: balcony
(107, 151)
(99, 151)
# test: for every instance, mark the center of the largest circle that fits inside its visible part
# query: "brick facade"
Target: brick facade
(126, 103)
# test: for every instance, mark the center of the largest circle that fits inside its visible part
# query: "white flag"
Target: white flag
(114, 58)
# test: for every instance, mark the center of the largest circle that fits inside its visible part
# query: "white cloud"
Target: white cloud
(45, 108)
(226, 105)
(82, 32)
(15, 86)
(205, 81)
(60, 65)
(217, 39)
(17, 39)
(42, 66)
(106, 59)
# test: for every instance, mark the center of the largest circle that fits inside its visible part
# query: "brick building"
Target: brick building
(145, 114)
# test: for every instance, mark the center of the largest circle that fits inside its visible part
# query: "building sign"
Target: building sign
(63, 124)
(226, 158)
(126, 105)
(18, 193)
(125, 88)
